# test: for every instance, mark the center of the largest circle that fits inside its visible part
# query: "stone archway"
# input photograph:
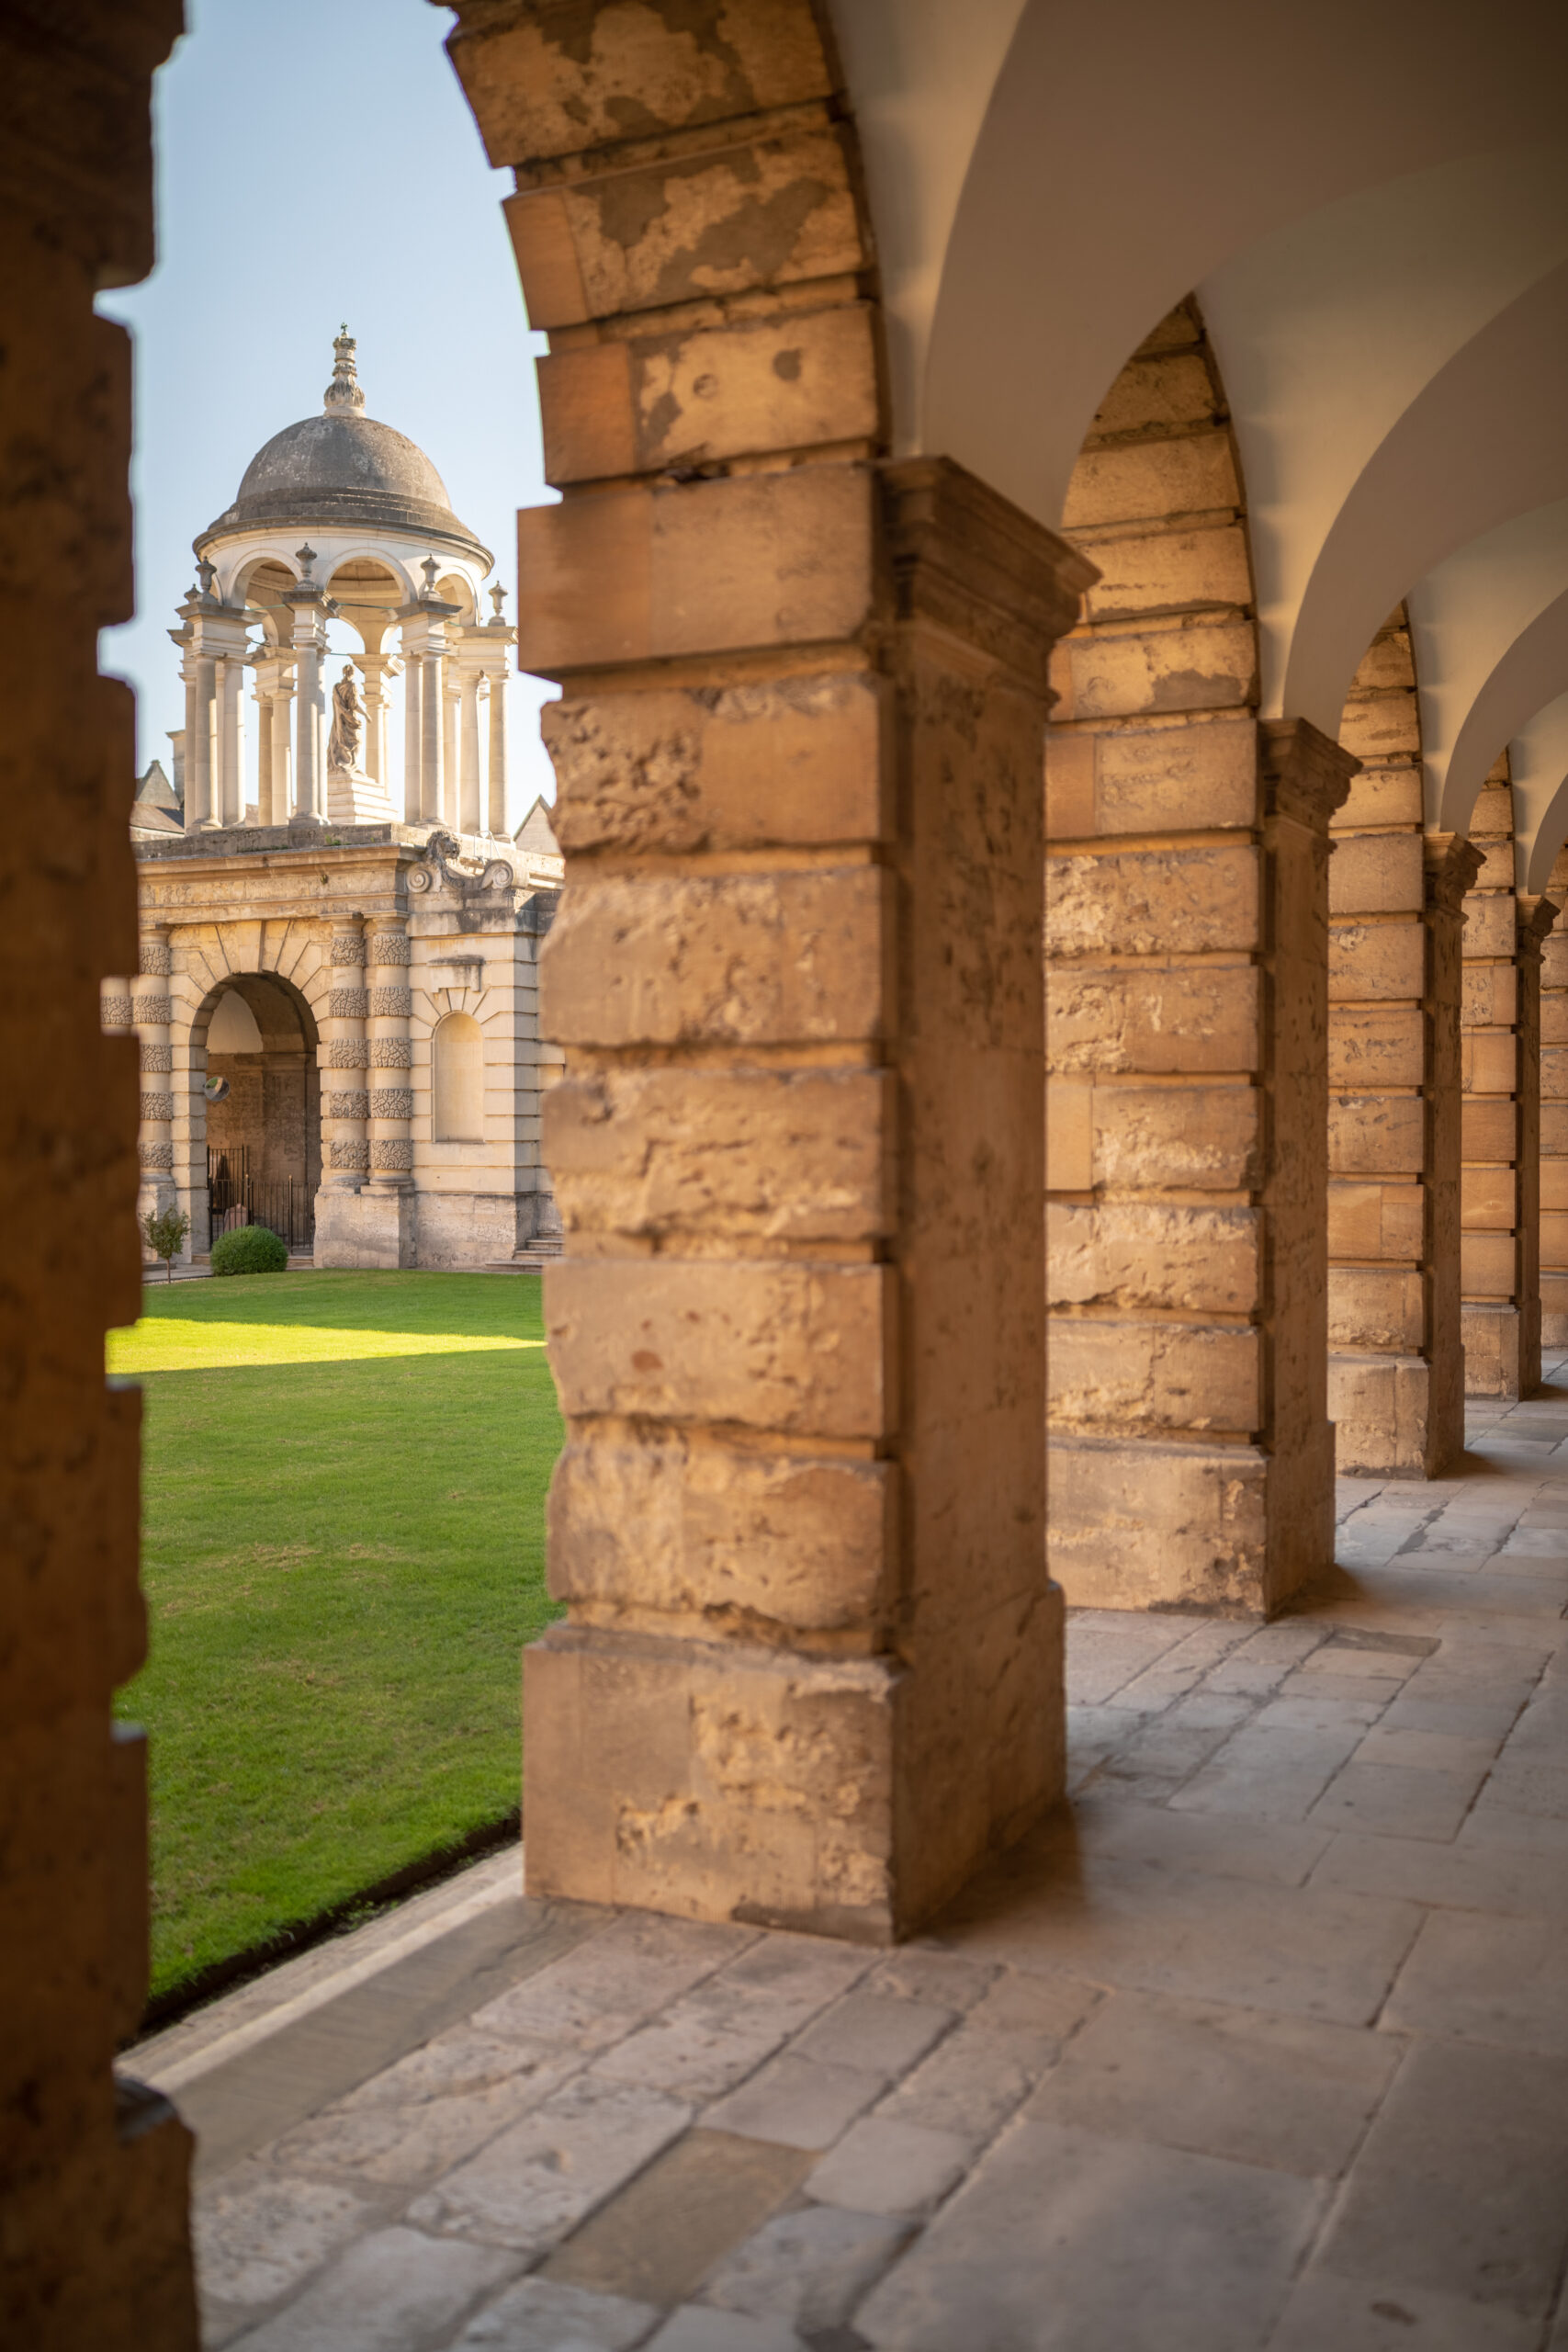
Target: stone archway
(263, 1139)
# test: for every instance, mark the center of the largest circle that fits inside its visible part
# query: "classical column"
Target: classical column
(498, 637)
(433, 768)
(230, 715)
(155, 1146)
(308, 601)
(376, 669)
(496, 813)
(451, 708)
(1500, 1251)
(200, 744)
(346, 1102)
(470, 816)
(413, 726)
(273, 696)
(389, 1056)
(263, 703)
(1396, 1367)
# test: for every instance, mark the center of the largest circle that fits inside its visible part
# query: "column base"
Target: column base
(472, 1228)
(1494, 1351)
(722, 1780)
(1223, 1530)
(370, 1229)
(1394, 1416)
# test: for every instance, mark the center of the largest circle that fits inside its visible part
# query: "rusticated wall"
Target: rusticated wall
(93, 2249)
(1191, 1454)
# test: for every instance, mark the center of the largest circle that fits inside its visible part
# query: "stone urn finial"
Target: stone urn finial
(497, 599)
(342, 396)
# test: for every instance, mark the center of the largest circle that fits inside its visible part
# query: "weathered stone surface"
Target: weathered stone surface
(1130, 1254)
(1121, 1538)
(1149, 779)
(1375, 1306)
(648, 572)
(1376, 873)
(796, 1349)
(1379, 727)
(1160, 1017)
(1203, 1138)
(1167, 571)
(1489, 924)
(753, 764)
(1155, 903)
(796, 1155)
(1487, 1196)
(1383, 796)
(1375, 962)
(1204, 664)
(775, 212)
(539, 87)
(1171, 1375)
(740, 958)
(730, 1539)
(1488, 1264)
(1383, 1409)
(687, 399)
(1375, 1133)
(712, 1780)
(1195, 474)
(1368, 1051)
(1376, 1220)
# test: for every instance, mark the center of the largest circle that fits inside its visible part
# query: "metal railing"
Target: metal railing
(235, 1196)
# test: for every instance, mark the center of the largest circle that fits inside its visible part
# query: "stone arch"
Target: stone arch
(456, 1079)
(270, 1122)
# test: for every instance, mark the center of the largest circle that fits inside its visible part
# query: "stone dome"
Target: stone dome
(345, 470)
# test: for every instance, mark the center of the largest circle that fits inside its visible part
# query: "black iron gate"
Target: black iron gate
(235, 1196)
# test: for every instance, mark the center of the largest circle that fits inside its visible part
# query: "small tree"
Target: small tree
(166, 1235)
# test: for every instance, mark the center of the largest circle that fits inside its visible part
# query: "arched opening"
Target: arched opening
(457, 1081)
(262, 1108)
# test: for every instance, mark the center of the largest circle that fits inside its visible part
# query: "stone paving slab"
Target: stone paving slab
(1259, 2045)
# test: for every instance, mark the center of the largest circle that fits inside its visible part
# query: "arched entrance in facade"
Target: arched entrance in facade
(261, 1105)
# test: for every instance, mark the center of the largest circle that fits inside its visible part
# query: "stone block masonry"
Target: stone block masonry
(1396, 898)
(1191, 1454)
(811, 1669)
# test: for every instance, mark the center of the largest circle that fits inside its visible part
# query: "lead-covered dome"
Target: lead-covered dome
(345, 468)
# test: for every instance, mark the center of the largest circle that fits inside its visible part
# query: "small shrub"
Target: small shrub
(166, 1235)
(250, 1250)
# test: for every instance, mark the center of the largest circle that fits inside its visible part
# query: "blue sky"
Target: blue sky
(317, 162)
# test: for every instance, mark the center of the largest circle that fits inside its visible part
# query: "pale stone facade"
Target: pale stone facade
(387, 939)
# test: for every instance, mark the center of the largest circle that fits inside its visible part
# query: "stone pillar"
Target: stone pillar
(265, 705)
(433, 768)
(1192, 1457)
(200, 721)
(811, 1668)
(155, 1143)
(1396, 1367)
(273, 697)
(386, 1209)
(308, 601)
(346, 1102)
(1555, 1126)
(1500, 1245)
(451, 704)
(413, 728)
(230, 713)
(496, 814)
(376, 669)
(469, 813)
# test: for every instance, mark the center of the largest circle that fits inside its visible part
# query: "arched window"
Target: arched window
(457, 1081)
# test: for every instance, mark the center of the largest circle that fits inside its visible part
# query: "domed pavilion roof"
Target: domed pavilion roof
(343, 470)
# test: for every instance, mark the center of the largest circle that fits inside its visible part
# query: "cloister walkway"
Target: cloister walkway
(1262, 2046)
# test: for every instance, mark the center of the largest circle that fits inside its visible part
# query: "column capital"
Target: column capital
(1536, 916)
(960, 555)
(1452, 863)
(1302, 773)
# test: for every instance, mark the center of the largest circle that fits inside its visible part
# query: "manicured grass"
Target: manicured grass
(342, 1507)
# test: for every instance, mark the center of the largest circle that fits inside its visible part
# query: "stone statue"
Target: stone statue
(348, 723)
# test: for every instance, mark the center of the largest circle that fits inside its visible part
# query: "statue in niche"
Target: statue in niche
(348, 725)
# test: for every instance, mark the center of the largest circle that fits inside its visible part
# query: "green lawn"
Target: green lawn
(343, 1550)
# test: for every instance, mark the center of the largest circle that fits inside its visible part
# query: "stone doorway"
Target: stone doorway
(263, 1136)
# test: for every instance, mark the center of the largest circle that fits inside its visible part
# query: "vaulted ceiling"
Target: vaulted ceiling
(1373, 213)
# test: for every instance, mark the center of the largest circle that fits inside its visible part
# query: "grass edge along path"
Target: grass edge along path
(344, 1556)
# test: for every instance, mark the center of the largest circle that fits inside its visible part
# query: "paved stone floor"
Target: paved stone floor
(1263, 2043)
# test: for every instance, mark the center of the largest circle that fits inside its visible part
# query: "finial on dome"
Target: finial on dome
(497, 599)
(430, 568)
(342, 396)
